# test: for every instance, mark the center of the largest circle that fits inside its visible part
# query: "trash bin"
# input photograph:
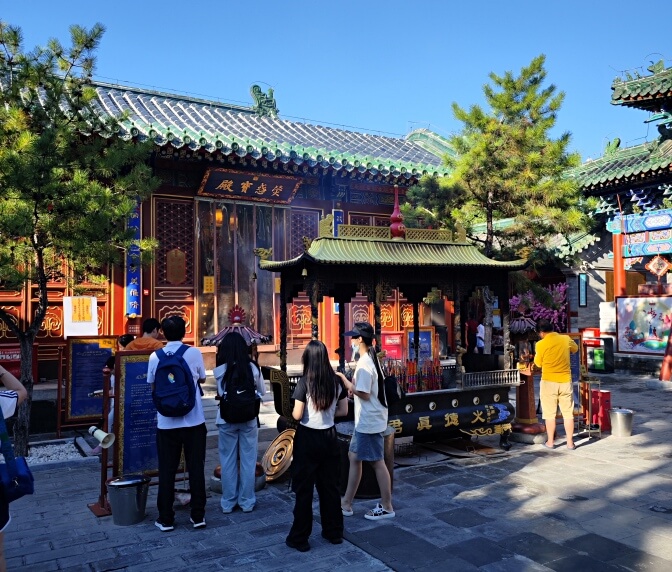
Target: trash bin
(621, 422)
(368, 485)
(601, 399)
(128, 498)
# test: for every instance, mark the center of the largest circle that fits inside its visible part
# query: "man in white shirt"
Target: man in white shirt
(174, 433)
(480, 337)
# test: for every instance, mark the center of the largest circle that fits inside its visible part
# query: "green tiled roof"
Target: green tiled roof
(639, 164)
(211, 126)
(644, 92)
(576, 242)
(334, 251)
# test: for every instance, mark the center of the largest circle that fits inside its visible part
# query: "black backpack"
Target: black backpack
(240, 403)
(174, 392)
(393, 391)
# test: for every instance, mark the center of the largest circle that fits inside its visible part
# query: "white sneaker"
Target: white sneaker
(200, 524)
(164, 527)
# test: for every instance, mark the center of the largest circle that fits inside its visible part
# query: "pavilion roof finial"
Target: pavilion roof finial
(397, 228)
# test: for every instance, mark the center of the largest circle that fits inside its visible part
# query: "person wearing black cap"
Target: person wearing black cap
(367, 441)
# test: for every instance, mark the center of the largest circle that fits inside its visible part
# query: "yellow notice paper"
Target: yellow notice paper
(81, 309)
(208, 284)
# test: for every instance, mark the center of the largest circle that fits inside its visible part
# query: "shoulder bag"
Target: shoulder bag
(16, 479)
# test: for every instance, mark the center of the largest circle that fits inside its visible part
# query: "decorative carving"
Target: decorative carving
(327, 225)
(658, 266)
(299, 319)
(263, 253)
(500, 429)
(306, 243)
(185, 312)
(407, 315)
(387, 316)
(612, 146)
(658, 67)
(360, 312)
(264, 103)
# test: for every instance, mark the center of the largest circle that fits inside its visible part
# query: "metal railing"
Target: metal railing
(488, 378)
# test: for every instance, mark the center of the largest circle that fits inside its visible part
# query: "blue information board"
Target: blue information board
(86, 360)
(134, 416)
(426, 339)
(575, 359)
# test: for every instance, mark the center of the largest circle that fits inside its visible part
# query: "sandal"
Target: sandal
(347, 512)
(378, 513)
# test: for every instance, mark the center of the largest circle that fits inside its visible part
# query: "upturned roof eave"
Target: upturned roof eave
(340, 252)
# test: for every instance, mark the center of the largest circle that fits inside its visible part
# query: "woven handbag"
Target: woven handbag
(16, 479)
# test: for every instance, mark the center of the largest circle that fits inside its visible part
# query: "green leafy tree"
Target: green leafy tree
(68, 182)
(508, 172)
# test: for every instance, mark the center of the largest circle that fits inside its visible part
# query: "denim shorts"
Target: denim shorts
(367, 446)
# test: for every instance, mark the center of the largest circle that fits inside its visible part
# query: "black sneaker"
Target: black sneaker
(200, 524)
(301, 547)
(164, 527)
(335, 540)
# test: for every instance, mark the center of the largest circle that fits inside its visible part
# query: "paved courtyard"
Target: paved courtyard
(605, 506)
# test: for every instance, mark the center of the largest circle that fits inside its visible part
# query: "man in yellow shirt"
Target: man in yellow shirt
(552, 356)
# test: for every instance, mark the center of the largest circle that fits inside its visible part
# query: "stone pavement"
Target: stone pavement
(605, 506)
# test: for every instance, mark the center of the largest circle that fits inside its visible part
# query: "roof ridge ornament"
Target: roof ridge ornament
(658, 67)
(612, 146)
(264, 103)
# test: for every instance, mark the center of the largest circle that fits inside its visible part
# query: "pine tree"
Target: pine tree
(508, 168)
(68, 182)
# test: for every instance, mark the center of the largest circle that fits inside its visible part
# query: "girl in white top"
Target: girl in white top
(319, 397)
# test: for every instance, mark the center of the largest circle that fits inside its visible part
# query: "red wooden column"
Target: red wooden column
(619, 267)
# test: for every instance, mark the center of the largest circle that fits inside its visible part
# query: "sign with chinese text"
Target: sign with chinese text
(86, 360)
(338, 219)
(208, 284)
(133, 268)
(261, 187)
(80, 316)
(393, 344)
(10, 358)
(134, 416)
(81, 309)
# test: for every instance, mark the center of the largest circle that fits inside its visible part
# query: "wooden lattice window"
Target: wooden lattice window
(360, 220)
(175, 233)
(304, 223)
(369, 220)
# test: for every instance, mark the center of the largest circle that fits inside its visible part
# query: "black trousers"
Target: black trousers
(316, 463)
(169, 443)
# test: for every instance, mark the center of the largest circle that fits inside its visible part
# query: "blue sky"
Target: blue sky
(377, 65)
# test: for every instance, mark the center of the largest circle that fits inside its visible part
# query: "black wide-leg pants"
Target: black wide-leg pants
(316, 463)
(169, 443)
